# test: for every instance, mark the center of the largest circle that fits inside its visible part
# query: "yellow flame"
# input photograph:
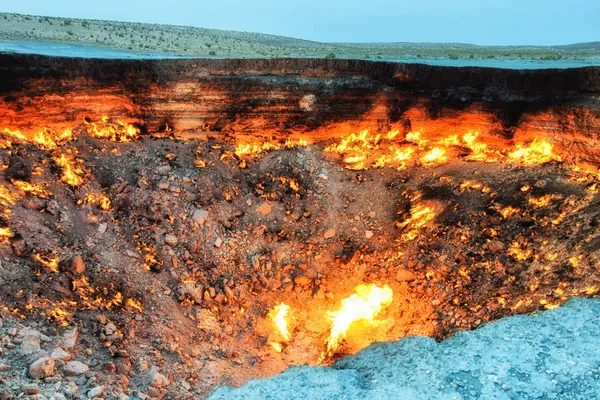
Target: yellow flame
(99, 199)
(518, 253)
(49, 261)
(134, 304)
(46, 139)
(7, 198)
(365, 304)
(32, 188)
(278, 315)
(420, 215)
(537, 152)
(436, 155)
(540, 202)
(6, 233)
(117, 131)
(72, 174)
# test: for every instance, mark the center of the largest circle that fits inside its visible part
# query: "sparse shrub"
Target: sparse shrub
(453, 56)
(67, 22)
(330, 56)
(212, 53)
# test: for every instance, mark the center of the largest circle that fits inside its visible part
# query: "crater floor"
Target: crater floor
(551, 355)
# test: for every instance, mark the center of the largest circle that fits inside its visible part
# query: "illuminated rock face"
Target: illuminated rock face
(319, 99)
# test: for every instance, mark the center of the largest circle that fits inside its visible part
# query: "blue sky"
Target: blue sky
(487, 22)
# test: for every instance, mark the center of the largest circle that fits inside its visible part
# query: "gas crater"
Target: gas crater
(202, 222)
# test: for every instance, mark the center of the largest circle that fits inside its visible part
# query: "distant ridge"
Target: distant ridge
(200, 42)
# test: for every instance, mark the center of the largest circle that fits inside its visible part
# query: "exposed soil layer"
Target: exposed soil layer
(165, 242)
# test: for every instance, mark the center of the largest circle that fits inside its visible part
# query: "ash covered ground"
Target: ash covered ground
(149, 267)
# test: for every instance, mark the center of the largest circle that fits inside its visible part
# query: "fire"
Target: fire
(518, 253)
(364, 150)
(420, 215)
(15, 134)
(134, 304)
(435, 156)
(72, 174)
(278, 314)
(541, 201)
(538, 152)
(243, 151)
(365, 305)
(50, 261)
(117, 131)
(6, 233)
(99, 199)
(6, 197)
(46, 139)
(479, 151)
(31, 188)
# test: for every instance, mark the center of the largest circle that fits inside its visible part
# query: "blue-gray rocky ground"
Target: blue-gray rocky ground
(550, 355)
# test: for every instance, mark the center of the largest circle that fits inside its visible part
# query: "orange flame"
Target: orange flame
(365, 304)
(117, 131)
(538, 152)
(6, 233)
(49, 261)
(72, 174)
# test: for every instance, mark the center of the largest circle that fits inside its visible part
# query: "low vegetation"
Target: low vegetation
(192, 41)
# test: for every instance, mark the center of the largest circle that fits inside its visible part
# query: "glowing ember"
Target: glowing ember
(365, 304)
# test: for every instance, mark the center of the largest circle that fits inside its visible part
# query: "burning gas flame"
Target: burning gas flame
(46, 139)
(6, 233)
(537, 152)
(365, 304)
(72, 174)
(278, 315)
(366, 150)
(435, 156)
(49, 261)
(248, 150)
(118, 131)
(420, 215)
(32, 188)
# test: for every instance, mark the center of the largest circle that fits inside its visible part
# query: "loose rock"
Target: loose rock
(329, 233)
(42, 368)
(171, 240)
(264, 209)
(75, 368)
(78, 265)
